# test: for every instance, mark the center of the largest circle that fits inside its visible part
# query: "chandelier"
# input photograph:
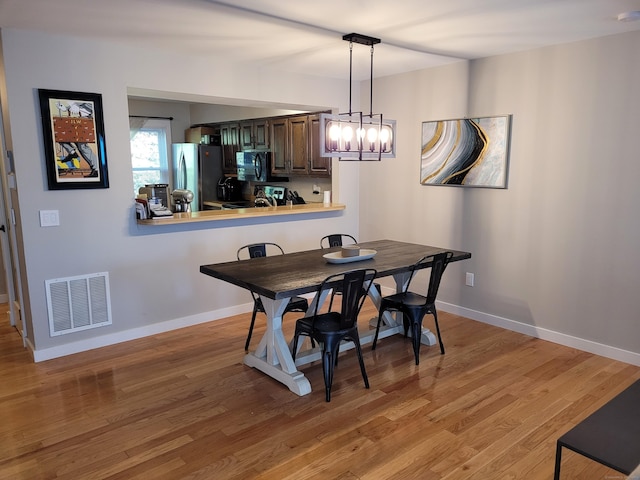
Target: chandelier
(356, 135)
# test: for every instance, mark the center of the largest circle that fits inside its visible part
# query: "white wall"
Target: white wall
(154, 272)
(557, 253)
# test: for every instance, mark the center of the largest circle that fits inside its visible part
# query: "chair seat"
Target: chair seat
(409, 299)
(325, 322)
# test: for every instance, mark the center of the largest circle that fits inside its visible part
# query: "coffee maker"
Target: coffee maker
(229, 189)
(158, 191)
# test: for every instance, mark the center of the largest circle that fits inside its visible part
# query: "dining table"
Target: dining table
(278, 278)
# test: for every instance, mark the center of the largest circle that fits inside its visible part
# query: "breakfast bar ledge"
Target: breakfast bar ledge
(242, 213)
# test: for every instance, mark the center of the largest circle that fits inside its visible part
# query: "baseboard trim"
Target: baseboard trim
(44, 354)
(544, 334)
(519, 327)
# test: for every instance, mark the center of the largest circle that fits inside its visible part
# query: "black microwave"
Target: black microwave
(256, 167)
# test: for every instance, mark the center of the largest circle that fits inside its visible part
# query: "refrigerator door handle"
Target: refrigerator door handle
(182, 173)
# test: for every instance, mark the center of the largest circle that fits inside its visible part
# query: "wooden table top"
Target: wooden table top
(284, 276)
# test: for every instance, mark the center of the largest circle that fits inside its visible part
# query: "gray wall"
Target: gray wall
(557, 253)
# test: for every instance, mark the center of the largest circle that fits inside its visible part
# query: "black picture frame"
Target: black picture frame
(74, 141)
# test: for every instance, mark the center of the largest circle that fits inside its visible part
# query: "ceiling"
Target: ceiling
(305, 36)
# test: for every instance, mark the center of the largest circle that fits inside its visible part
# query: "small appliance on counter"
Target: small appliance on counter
(270, 195)
(182, 200)
(229, 189)
(262, 200)
(158, 191)
(278, 194)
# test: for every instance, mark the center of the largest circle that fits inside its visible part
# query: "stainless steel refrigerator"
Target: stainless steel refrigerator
(197, 168)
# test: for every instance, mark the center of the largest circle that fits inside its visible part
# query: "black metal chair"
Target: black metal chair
(255, 250)
(332, 328)
(338, 240)
(414, 306)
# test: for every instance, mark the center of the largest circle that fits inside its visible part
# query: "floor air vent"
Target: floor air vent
(78, 303)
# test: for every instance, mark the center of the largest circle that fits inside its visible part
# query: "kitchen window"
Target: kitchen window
(150, 146)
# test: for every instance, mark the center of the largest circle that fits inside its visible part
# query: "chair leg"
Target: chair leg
(435, 316)
(375, 337)
(253, 321)
(416, 336)
(296, 336)
(328, 362)
(356, 342)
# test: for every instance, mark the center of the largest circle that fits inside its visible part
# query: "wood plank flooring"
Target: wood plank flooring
(181, 405)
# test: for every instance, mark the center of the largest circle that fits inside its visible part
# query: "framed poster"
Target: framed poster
(74, 143)
(467, 152)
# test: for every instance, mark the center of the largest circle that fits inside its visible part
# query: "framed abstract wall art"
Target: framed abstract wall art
(467, 152)
(74, 143)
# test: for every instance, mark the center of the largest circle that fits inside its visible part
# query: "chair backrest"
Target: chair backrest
(255, 250)
(336, 240)
(355, 286)
(438, 262)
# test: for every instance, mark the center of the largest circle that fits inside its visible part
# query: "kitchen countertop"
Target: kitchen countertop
(242, 213)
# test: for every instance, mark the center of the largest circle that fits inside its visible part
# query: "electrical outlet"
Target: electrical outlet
(470, 279)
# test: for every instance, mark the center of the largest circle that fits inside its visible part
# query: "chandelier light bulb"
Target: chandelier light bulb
(372, 134)
(347, 136)
(334, 132)
(384, 138)
(347, 133)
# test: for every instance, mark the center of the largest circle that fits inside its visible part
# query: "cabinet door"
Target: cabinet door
(230, 134)
(261, 134)
(279, 147)
(246, 135)
(318, 166)
(298, 146)
(254, 135)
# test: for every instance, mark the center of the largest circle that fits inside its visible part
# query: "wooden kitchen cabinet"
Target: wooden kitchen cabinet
(289, 146)
(295, 147)
(230, 139)
(279, 141)
(254, 135)
(318, 166)
(294, 143)
(298, 142)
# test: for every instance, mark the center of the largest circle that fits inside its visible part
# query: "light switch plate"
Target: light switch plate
(470, 279)
(49, 218)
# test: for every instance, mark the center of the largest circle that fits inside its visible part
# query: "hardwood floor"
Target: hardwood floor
(181, 405)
